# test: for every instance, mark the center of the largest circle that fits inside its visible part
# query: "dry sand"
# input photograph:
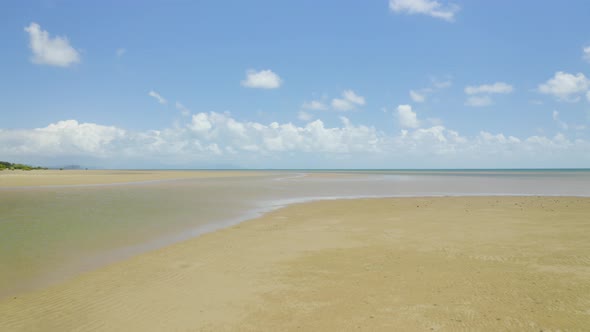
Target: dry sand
(18, 178)
(403, 264)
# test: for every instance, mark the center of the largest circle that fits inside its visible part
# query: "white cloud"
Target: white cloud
(120, 52)
(183, 109)
(200, 122)
(353, 97)
(207, 136)
(253, 136)
(588, 96)
(315, 105)
(62, 138)
(586, 52)
(426, 7)
(566, 86)
(263, 79)
(489, 138)
(478, 101)
(406, 117)
(349, 101)
(55, 51)
(417, 97)
(157, 96)
(213, 138)
(498, 87)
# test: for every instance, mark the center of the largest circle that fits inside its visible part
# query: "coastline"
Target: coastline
(280, 271)
(70, 178)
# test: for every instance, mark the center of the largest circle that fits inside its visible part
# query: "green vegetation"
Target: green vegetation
(6, 165)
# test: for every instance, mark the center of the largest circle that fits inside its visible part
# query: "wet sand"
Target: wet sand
(51, 233)
(18, 178)
(449, 263)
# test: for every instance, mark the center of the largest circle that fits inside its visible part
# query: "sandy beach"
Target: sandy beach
(449, 263)
(392, 165)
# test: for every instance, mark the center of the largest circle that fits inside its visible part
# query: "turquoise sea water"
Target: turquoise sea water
(48, 234)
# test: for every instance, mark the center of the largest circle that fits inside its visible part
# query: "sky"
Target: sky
(296, 84)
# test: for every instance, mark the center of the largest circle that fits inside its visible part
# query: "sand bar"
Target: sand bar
(474, 263)
(19, 178)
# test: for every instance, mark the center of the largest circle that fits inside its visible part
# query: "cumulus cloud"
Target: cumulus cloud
(183, 109)
(263, 79)
(353, 97)
(406, 117)
(55, 51)
(206, 137)
(417, 96)
(565, 86)
(498, 87)
(62, 138)
(349, 101)
(496, 138)
(586, 53)
(266, 138)
(218, 137)
(425, 7)
(478, 101)
(157, 96)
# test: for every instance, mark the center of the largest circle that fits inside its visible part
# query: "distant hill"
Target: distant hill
(68, 167)
(6, 165)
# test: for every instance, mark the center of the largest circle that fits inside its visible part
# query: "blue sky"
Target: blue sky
(302, 84)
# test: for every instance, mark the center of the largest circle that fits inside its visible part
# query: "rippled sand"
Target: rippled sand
(452, 263)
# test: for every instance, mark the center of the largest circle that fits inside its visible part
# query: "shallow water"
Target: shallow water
(48, 234)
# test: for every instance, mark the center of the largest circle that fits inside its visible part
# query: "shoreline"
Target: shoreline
(57, 179)
(16, 179)
(268, 221)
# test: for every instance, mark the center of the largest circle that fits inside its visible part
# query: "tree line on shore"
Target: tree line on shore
(6, 165)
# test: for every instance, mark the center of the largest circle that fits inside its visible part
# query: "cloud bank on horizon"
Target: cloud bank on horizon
(330, 114)
(217, 138)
